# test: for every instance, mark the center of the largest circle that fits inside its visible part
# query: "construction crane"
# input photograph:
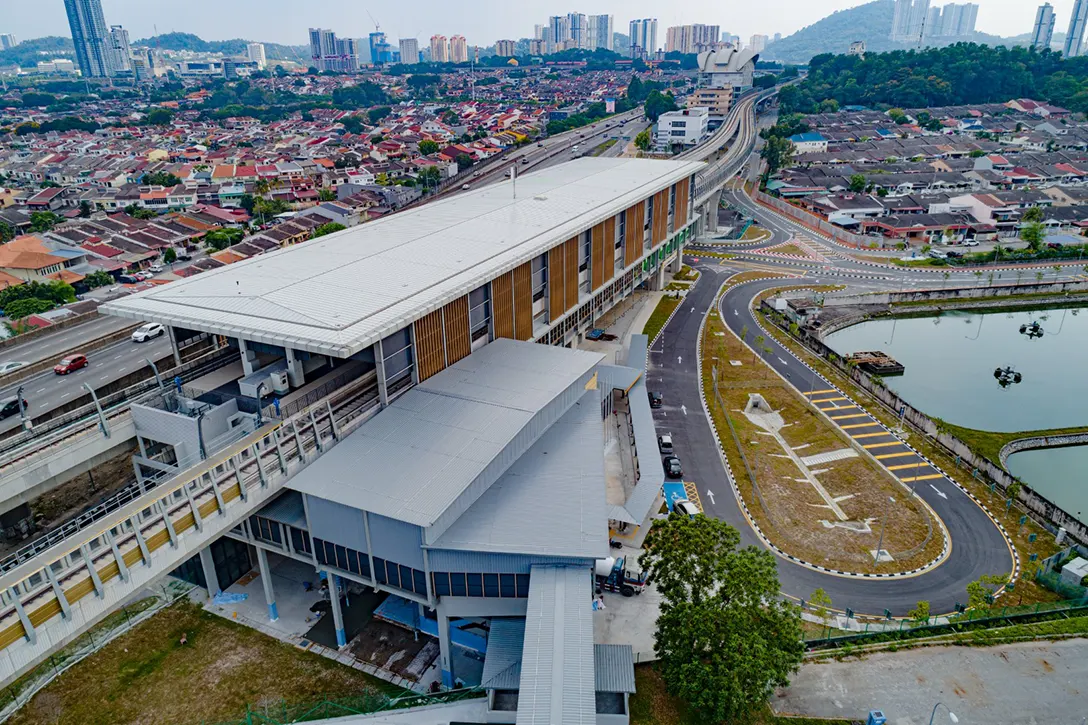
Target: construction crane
(377, 27)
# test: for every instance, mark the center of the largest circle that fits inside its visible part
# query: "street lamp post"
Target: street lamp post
(883, 523)
(951, 715)
(22, 407)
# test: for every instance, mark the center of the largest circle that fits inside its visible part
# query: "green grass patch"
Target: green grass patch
(604, 147)
(996, 301)
(753, 233)
(989, 443)
(148, 676)
(660, 316)
(686, 274)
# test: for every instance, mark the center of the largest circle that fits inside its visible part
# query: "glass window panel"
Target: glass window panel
(475, 585)
(457, 584)
(491, 585)
(507, 587)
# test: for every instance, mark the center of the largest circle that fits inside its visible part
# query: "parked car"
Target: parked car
(129, 279)
(10, 367)
(148, 332)
(664, 443)
(184, 256)
(465, 187)
(971, 243)
(953, 255)
(673, 469)
(70, 364)
(937, 254)
(155, 268)
(10, 407)
(1054, 245)
(144, 274)
(686, 507)
(656, 400)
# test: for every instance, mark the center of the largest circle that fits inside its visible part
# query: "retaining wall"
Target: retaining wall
(961, 293)
(813, 222)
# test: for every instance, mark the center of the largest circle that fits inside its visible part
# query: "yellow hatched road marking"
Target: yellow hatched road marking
(921, 478)
(894, 455)
(858, 425)
(838, 407)
(846, 417)
(830, 400)
(882, 445)
(870, 435)
(821, 392)
(901, 466)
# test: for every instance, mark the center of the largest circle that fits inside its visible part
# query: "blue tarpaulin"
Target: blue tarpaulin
(406, 613)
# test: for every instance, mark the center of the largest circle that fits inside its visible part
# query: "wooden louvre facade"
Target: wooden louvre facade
(633, 243)
(455, 320)
(523, 302)
(430, 345)
(683, 200)
(502, 302)
(659, 225)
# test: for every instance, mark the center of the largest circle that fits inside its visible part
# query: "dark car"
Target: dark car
(70, 364)
(1054, 245)
(10, 407)
(953, 255)
(672, 467)
(656, 401)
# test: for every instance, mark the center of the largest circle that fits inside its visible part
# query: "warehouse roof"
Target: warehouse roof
(341, 293)
(467, 424)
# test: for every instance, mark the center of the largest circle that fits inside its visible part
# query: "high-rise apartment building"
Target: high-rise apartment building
(322, 48)
(506, 48)
(458, 49)
(120, 52)
(1042, 35)
(440, 49)
(599, 33)
(344, 55)
(1074, 38)
(691, 38)
(89, 35)
(644, 37)
(255, 53)
(578, 29)
(7, 41)
(955, 20)
(910, 17)
(409, 51)
(538, 31)
(538, 46)
(349, 55)
(758, 43)
(381, 52)
(558, 35)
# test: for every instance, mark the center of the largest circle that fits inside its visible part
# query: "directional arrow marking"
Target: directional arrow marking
(710, 495)
(679, 359)
(683, 409)
(939, 492)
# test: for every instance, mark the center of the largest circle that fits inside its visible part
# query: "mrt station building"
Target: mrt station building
(476, 487)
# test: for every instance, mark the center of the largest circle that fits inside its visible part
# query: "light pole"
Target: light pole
(260, 397)
(951, 715)
(22, 407)
(883, 523)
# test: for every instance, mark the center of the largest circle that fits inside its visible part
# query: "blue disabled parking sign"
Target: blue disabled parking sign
(673, 492)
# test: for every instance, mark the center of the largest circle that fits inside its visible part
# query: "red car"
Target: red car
(70, 364)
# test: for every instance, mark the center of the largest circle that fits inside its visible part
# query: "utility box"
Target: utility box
(876, 717)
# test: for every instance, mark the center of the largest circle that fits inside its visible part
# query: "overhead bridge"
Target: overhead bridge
(53, 597)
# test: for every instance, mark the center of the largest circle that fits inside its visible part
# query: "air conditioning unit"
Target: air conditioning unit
(280, 382)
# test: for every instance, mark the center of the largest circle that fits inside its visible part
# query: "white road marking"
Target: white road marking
(679, 359)
(939, 492)
(684, 409)
(65, 396)
(782, 361)
(710, 495)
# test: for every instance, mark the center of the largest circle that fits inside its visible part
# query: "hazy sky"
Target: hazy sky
(480, 21)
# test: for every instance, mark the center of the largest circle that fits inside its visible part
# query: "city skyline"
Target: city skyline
(283, 22)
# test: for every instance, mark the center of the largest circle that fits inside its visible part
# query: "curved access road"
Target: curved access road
(977, 545)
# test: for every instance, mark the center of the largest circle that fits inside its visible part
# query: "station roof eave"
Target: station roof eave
(343, 292)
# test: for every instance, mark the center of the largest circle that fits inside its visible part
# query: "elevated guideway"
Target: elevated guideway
(53, 596)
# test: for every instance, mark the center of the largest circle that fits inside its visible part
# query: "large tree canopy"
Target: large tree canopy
(724, 638)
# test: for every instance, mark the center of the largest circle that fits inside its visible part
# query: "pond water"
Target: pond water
(950, 361)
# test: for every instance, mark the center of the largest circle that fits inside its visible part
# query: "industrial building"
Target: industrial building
(470, 483)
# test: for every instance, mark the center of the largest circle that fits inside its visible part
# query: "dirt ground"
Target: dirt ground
(389, 646)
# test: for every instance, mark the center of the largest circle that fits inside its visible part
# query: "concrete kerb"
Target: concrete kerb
(1004, 532)
(726, 286)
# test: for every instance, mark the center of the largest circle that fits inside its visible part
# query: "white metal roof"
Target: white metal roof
(339, 294)
(419, 456)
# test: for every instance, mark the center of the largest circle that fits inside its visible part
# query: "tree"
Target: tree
(139, 212)
(25, 307)
(464, 161)
(642, 140)
(430, 176)
(980, 594)
(1034, 234)
(920, 613)
(85, 209)
(326, 195)
(725, 639)
(658, 103)
(374, 115)
(821, 606)
(98, 278)
(778, 153)
(352, 124)
(43, 221)
(858, 183)
(7, 233)
(428, 147)
(635, 92)
(327, 229)
(220, 239)
(1034, 214)
(759, 342)
(169, 256)
(1057, 270)
(161, 178)
(159, 117)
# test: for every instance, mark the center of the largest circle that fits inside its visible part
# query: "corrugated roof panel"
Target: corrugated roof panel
(558, 683)
(342, 292)
(614, 667)
(502, 664)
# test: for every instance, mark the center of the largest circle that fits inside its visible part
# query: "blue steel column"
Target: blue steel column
(444, 650)
(266, 580)
(337, 614)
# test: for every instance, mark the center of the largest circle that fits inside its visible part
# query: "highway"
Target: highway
(48, 390)
(52, 345)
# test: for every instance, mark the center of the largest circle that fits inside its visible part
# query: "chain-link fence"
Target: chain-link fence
(20, 692)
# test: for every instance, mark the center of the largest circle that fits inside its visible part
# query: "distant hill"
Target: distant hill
(871, 23)
(29, 52)
(237, 46)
